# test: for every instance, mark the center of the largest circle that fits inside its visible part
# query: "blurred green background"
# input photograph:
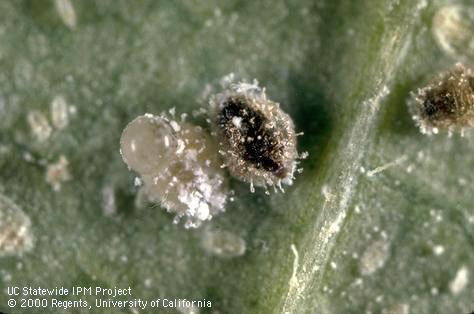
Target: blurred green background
(348, 237)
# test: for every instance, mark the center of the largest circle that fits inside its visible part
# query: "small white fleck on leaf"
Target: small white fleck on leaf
(66, 12)
(59, 112)
(15, 229)
(39, 125)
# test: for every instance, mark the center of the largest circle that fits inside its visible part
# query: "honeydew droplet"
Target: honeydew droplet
(146, 144)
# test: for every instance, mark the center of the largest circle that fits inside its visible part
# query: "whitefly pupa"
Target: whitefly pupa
(257, 139)
(447, 103)
(178, 164)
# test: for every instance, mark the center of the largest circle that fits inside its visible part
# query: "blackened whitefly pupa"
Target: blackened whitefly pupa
(447, 103)
(256, 138)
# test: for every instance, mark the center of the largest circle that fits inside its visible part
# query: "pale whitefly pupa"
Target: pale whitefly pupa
(179, 166)
(257, 139)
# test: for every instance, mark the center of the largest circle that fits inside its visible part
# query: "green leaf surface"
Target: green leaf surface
(381, 220)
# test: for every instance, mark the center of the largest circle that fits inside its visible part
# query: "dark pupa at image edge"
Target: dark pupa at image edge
(447, 103)
(257, 139)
